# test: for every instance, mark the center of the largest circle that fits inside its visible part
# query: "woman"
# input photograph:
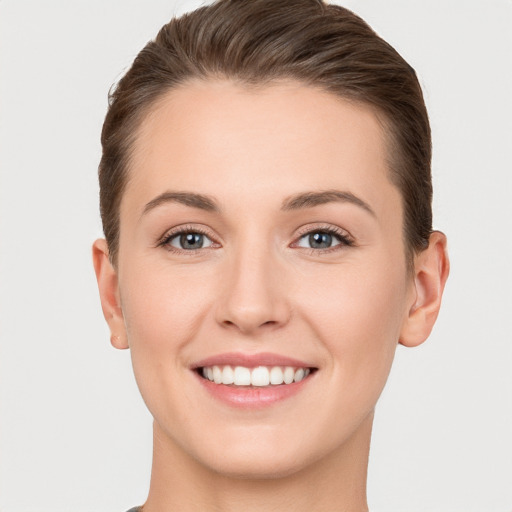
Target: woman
(266, 203)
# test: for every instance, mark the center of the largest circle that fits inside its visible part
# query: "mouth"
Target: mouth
(259, 376)
(253, 380)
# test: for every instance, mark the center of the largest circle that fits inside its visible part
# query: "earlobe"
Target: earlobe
(106, 277)
(431, 272)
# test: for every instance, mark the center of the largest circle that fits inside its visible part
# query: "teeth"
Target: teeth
(242, 376)
(299, 375)
(217, 375)
(228, 376)
(289, 374)
(276, 376)
(260, 376)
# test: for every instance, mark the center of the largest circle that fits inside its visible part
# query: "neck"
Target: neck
(335, 483)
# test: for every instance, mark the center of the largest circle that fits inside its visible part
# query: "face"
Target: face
(261, 241)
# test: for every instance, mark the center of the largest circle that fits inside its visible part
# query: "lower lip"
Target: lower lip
(252, 397)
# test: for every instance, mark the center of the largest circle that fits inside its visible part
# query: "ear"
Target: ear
(431, 269)
(106, 275)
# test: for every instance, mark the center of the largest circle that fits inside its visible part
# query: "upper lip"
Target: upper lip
(250, 360)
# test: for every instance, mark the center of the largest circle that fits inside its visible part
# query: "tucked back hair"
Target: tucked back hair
(257, 42)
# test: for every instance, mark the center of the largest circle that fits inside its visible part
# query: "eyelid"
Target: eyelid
(343, 235)
(183, 229)
(330, 228)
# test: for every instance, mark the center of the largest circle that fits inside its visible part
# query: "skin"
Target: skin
(259, 287)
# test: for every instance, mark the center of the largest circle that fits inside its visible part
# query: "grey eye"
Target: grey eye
(190, 241)
(319, 240)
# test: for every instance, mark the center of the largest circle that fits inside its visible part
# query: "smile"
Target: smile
(259, 376)
(253, 381)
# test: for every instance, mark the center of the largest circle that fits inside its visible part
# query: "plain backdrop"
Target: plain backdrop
(75, 435)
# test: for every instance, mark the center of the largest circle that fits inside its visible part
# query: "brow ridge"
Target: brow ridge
(192, 199)
(316, 198)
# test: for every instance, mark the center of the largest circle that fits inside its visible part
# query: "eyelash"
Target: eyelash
(345, 240)
(165, 241)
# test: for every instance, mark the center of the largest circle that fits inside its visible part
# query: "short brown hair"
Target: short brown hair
(262, 41)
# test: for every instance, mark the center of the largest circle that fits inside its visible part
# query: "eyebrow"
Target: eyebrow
(191, 199)
(296, 202)
(312, 199)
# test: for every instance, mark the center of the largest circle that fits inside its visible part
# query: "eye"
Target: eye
(318, 240)
(323, 239)
(188, 241)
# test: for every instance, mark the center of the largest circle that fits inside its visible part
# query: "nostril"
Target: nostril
(248, 326)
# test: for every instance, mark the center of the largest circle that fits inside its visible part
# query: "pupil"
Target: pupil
(191, 241)
(320, 240)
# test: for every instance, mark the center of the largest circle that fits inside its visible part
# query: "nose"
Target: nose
(253, 296)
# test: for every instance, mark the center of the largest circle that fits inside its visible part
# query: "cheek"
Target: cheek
(163, 312)
(161, 306)
(357, 314)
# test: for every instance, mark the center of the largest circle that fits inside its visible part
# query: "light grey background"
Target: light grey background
(75, 434)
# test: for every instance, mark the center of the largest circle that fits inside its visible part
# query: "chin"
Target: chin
(262, 467)
(271, 456)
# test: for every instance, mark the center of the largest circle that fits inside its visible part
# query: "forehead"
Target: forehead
(215, 137)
